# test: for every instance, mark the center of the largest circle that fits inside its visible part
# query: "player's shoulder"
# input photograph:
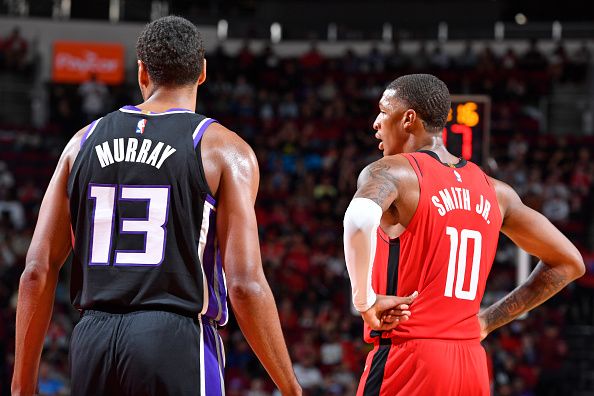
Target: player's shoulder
(393, 167)
(501, 187)
(72, 148)
(507, 197)
(396, 164)
(219, 137)
(224, 149)
(392, 162)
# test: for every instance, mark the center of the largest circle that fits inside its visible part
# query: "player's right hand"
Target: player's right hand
(388, 312)
(483, 326)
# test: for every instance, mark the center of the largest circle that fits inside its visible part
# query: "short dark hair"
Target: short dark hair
(172, 50)
(425, 94)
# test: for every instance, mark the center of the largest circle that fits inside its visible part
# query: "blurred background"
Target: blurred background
(300, 81)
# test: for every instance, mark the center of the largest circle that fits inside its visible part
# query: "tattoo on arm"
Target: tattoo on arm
(379, 184)
(544, 282)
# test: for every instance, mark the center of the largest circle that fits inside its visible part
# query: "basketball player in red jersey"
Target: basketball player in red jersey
(439, 219)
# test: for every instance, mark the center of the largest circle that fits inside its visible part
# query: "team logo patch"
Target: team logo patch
(458, 177)
(140, 126)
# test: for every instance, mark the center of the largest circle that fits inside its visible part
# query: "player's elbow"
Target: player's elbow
(34, 276)
(241, 291)
(576, 264)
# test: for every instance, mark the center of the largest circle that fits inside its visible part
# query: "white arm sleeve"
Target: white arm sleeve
(361, 220)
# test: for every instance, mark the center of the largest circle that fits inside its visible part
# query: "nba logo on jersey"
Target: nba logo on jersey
(140, 126)
(458, 177)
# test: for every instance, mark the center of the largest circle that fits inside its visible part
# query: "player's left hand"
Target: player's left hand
(388, 312)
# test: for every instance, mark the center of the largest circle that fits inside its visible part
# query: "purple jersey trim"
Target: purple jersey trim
(177, 109)
(202, 130)
(86, 135)
(211, 200)
(134, 108)
(130, 107)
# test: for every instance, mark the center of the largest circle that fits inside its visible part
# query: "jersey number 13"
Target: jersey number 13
(156, 200)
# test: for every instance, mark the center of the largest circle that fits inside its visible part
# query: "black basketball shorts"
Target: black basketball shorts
(145, 353)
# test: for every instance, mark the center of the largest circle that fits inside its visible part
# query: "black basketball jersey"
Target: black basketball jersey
(143, 218)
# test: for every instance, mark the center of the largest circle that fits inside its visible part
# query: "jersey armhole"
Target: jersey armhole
(77, 160)
(421, 204)
(492, 185)
(89, 131)
(415, 165)
(197, 137)
(489, 182)
(200, 129)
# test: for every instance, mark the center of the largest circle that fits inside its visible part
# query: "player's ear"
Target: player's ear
(410, 117)
(143, 78)
(202, 76)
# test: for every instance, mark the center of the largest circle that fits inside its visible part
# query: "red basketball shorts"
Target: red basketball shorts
(423, 367)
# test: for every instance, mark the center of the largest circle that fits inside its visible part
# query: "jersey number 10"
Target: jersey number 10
(459, 244)
(156, 200)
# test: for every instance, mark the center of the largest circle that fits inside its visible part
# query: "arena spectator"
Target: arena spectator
(312, 59)
(15, 51)
(94, 96)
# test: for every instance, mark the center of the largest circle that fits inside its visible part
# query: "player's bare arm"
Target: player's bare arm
(379, 182)
(232, 172)
(377, 191)
(50, 246)
(560, 261)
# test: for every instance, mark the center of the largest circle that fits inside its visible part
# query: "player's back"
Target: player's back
(446, 251)
(143, 217)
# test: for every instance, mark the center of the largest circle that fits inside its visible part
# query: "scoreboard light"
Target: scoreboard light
(467, 132)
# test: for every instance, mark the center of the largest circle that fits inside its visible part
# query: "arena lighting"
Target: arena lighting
(222, 29)
(442, 31)
(61, 9)
(557, 31)
(521, 19)
(332, 32)
(499, 31)
(276, 33)
(114, 11)
(18, 7)
(159, 9)
(387, 32)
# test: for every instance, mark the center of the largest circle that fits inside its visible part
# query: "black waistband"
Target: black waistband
(125, 311)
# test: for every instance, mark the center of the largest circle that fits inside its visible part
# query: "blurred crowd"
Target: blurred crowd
(309, 121)
(15, 54)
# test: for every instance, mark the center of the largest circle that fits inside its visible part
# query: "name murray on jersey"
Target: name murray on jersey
(131, 150)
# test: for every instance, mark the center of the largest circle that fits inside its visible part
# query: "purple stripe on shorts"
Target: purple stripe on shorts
(84, 138)
(212, 367)
(211, 200)
(202, 130)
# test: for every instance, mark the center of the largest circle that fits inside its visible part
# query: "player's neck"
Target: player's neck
(165, 98)
(435, 143)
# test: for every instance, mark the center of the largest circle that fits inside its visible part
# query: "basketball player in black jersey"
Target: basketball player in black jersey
(157, 204)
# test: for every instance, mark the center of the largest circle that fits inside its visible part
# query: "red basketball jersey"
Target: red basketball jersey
(445, 252)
